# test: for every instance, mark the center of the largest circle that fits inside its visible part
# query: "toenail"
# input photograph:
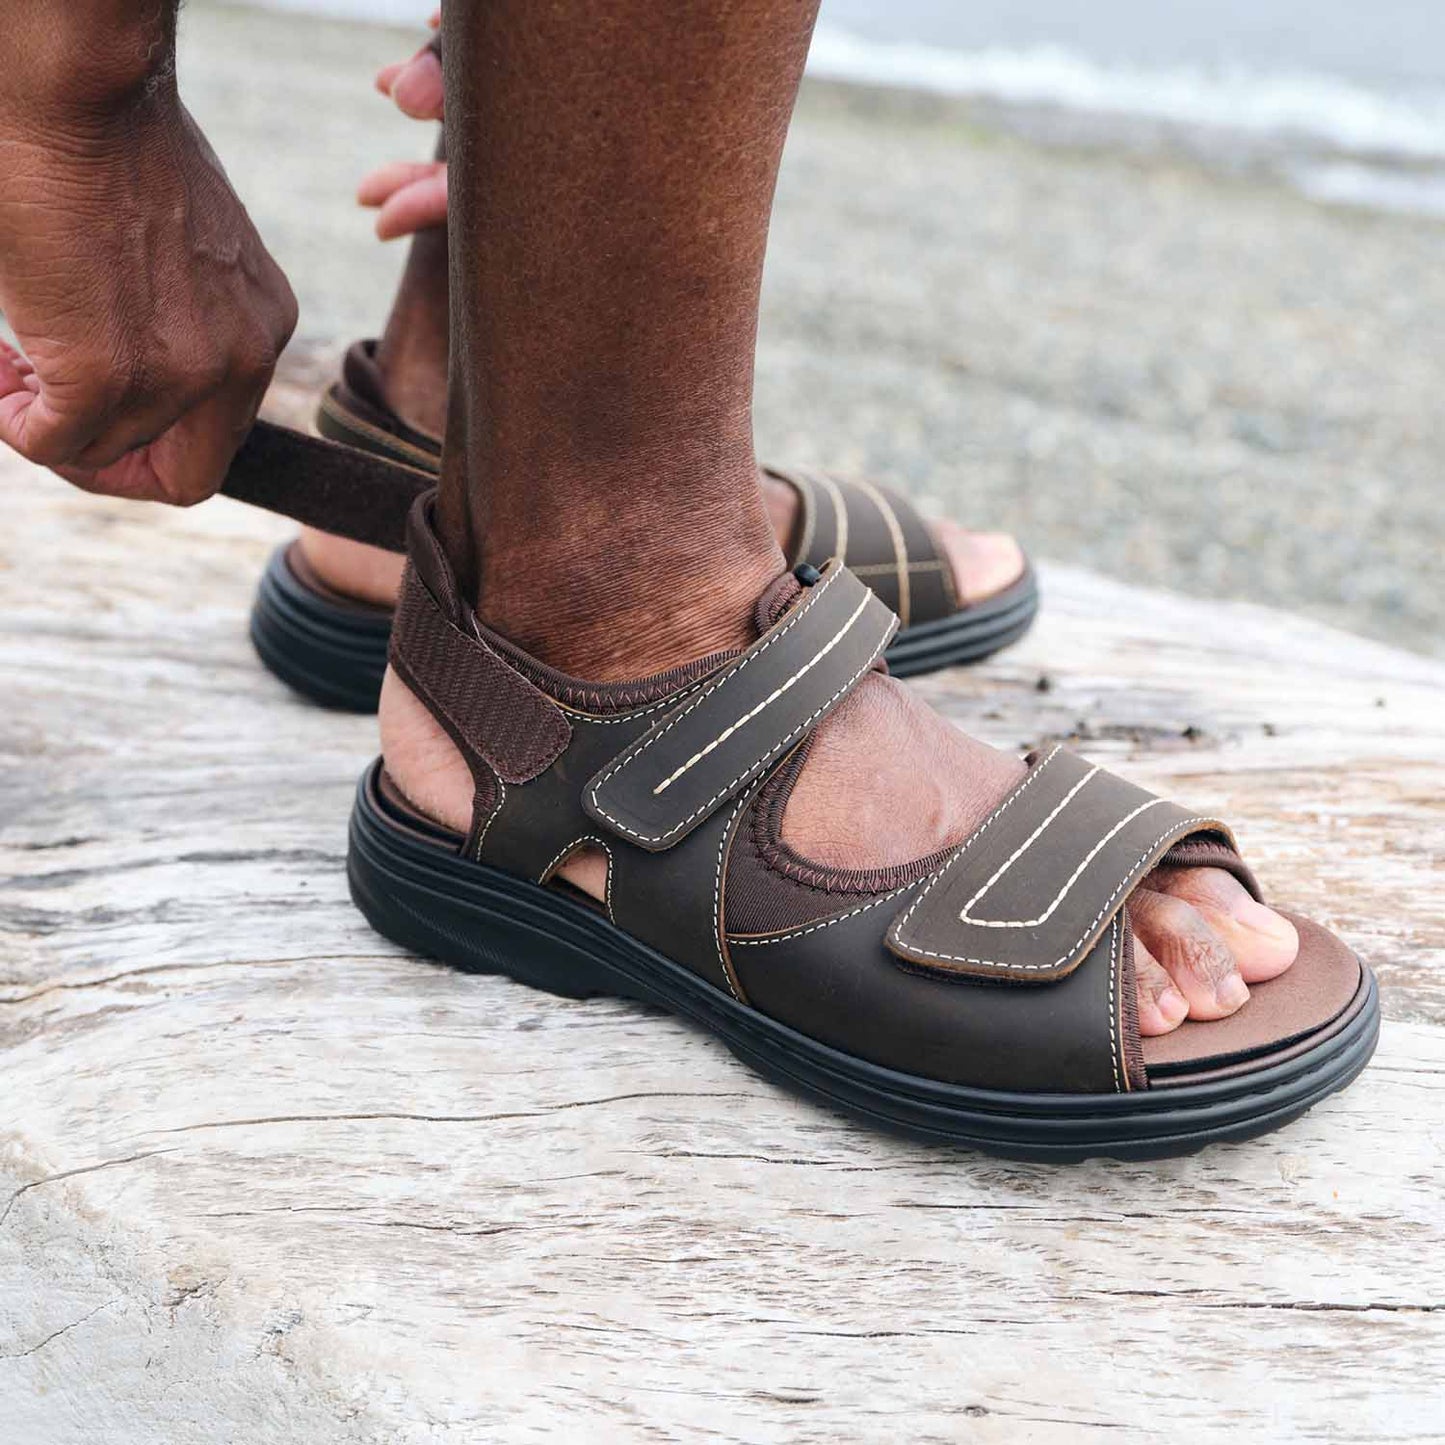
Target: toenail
(1231, 992)
(1173, 1006)
(1266, 921)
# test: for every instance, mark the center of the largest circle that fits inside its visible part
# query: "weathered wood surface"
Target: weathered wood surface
(265, 1179)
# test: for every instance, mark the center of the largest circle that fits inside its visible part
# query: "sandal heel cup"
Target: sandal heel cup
(395, 887)
(332, 654)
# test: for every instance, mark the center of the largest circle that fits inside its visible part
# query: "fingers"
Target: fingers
(1195, 957)
(411, 197)
(1162, 1007)
(1263, 943)
(415, 86)
(186, 462)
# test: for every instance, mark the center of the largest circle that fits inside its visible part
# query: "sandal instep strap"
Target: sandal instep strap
(716, 744)
(881, 536)
(1030, 895)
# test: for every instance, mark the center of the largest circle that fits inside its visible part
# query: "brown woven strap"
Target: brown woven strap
(338, 489)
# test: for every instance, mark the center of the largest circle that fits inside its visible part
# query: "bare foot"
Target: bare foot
(889, 781)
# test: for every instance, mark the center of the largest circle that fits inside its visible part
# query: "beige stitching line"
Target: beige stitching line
(759, 940)
(496, 812)
(397, 446)
(572, 847)
(718, 931)
(808, 500)
(636, 749)
(1073, 878)
(875, 569)
(840, 515)
(1182, 829)
(771, 698)
(900, 547)
(1116, 955)
(772, 751)
(973, 838)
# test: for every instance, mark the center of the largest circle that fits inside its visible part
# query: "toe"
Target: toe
(1262, 942)
(1162, 1007)
(1194, 956)
(983, 563)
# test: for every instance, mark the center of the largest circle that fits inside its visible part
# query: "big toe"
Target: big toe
(1263, 943)
(983, 563)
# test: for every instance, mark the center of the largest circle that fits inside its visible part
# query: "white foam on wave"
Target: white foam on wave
(1316, 107)
(1319, 107)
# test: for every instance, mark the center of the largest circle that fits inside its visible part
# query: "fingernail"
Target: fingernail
(1173, 1006)
(1231, 992)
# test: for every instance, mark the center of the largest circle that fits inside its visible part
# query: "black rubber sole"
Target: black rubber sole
(329, 652)
(416, 891)
(335, 654)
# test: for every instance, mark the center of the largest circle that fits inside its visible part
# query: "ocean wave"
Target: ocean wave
(1317, 107)
(1322, 108)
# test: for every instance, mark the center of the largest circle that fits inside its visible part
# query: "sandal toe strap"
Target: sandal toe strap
(1028, 897)
(882, 537)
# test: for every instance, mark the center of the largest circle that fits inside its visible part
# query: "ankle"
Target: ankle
(613, 591)
(412, 354)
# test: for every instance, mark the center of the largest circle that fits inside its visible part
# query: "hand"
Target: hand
(410, 195)
(416, 84)
(149, 314)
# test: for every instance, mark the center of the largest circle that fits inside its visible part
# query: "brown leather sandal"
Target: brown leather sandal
(332, 649)
(984, 996)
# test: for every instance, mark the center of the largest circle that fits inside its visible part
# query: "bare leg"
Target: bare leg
(599, 484)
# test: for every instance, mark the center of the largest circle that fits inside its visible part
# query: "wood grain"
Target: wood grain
(263, 1178)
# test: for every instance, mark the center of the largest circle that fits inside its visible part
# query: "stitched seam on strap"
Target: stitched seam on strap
(1059, 896)
(808, 501)
(772, 751)
(973, 837)
(625, 717)
(761, 940)
(496, 812)
(875, 569)
(1189, 825)
(840, 515)
(718, 931)
(570, 848)
(397, 446)
(1116, 955)
(771, 698)
(637, 749)
(900, 547)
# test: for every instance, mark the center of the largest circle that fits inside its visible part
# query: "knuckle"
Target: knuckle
(1204, 954)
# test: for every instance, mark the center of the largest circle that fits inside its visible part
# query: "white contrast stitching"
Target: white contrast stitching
(773, 749)
(571, 848)
(637, 749)
(900, 547)
(759, 940)
(1183, 828)
(487, 827)
(1048, 913)
(1034, 774)
(671, 700)
(1116, 955)
(719, 932)
(771, 698)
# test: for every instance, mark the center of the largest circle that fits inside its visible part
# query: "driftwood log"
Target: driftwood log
(265, 1179)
